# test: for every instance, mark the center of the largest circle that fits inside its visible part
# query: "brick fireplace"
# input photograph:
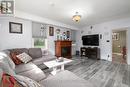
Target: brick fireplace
(63, 48)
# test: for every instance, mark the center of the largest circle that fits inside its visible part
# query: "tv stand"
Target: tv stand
(90, 52)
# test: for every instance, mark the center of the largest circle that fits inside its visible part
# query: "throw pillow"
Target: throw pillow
(25, 58)
(9, 81)
(14, 57)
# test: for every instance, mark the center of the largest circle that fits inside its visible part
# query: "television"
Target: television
(90, 40)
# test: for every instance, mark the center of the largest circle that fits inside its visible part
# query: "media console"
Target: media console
(90, 52)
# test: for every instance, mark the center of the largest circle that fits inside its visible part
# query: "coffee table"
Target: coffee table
(54, 64)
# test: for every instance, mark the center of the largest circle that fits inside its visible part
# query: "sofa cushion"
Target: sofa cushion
(35, 52)
(24, 67)
(40, 61)
(65, 79)
(24, 57)
(35, 74)
(20, 50)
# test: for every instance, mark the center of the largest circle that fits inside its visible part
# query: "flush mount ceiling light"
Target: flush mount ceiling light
(76, 17)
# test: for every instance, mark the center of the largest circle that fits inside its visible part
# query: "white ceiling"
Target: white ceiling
(92, 11)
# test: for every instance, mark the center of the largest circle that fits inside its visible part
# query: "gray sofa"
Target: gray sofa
(32, 71)
(38, 56)
(33, 68)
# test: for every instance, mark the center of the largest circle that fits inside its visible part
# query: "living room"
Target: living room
(37, 28)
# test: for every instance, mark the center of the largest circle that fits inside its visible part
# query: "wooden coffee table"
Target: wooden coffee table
(54, 64)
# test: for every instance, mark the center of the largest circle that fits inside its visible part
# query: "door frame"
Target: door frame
(120, 29)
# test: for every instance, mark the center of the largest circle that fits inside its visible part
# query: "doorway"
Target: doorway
(119, 46)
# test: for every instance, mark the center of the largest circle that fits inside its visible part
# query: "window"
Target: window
(39, 35)
(39, 43)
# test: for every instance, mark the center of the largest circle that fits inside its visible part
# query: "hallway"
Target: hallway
(119, 46)
(119, 58)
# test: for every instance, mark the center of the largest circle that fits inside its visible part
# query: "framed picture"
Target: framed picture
(115, 36)
(51, 31)
(15, 28)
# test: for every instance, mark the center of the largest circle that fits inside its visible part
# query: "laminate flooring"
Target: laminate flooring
(100, 72)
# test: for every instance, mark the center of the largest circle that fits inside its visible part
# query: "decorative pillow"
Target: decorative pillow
(27, 82)
(25, 58)
(45, 52)
(8, 81)
(15, 58)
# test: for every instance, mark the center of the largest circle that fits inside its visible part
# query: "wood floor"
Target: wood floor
(101, 73)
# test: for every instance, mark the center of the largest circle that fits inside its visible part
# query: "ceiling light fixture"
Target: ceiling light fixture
(76, 17)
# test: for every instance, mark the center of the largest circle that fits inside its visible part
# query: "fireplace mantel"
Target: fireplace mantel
(63, 48)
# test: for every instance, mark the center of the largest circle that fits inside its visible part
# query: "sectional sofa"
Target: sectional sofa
(32, 70)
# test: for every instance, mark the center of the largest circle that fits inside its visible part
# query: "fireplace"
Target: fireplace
(63, 48)
(65, 51)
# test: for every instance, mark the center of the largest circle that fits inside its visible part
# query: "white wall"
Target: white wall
(12, 40)
(106, 30)
(36, 18)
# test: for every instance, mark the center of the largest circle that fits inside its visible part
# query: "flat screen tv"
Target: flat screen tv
(90, 40)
